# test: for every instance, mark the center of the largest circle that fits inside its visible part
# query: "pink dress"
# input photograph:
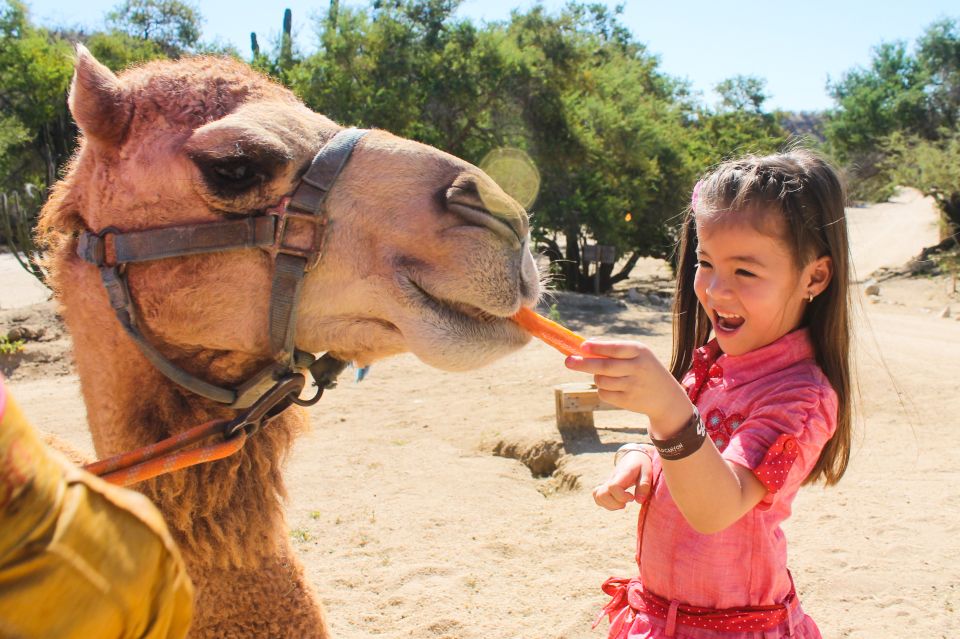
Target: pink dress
(770, 410)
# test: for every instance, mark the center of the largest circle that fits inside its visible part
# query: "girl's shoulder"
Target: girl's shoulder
(804, 377)
(801, 381)
(801, 392)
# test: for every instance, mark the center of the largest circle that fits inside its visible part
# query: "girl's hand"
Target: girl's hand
(633, 471)
(628, 375)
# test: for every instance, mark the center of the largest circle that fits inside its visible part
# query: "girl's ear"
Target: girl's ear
(817, 275)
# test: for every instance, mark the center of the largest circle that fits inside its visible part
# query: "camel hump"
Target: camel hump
(97, 100)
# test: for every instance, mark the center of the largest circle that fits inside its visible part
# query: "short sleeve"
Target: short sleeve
(782, 436)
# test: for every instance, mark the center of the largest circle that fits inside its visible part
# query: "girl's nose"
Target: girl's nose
(717, 288)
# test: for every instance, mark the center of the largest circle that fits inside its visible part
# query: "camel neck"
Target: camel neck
(129, 405)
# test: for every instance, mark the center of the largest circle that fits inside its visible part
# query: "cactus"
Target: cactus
(286, 41)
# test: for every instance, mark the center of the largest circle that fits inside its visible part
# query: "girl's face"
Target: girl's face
(750, 286)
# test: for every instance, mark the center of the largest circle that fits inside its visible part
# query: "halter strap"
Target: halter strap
(110, 247)
(292, 232)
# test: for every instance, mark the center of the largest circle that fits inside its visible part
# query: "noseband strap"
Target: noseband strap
(292, 232)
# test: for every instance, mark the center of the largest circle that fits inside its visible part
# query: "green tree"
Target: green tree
(874, 102)
(742, 93)
(118, 50)
(933, 167)
(409, 67)
(172, 25)
(938, 54)
(738, 125)
(36, 132)
(916, 94)
(605, 128)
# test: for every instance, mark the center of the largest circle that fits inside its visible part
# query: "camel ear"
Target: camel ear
(98, 103)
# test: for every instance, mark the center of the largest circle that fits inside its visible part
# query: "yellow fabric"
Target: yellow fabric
(80, 558)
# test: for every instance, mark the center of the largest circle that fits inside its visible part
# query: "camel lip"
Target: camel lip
(459, 311)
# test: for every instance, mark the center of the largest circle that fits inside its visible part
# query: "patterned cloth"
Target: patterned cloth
(80, 558)
(770, 410)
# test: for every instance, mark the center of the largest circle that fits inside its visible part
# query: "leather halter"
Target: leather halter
(292, 231)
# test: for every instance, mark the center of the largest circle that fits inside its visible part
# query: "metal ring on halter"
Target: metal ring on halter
(309, 402)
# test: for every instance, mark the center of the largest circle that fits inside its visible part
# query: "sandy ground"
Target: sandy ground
(410, 526)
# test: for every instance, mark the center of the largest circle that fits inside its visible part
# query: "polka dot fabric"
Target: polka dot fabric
(773, 470)
(629, 595)
(704, 369)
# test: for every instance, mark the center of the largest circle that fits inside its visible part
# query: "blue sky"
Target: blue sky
(794, 46)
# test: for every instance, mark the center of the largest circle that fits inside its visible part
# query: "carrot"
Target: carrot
(562, 339)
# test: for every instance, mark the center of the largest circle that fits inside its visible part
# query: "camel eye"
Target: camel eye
(232, 176)
(232, 172)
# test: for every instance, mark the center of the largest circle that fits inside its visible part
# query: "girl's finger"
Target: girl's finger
(601, 366)
(621, 350)
(603, 498)
(609, 383)
(619, 494)
(617, 398)
(642, 491)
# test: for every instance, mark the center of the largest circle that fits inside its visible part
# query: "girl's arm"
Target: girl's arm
(711, 492)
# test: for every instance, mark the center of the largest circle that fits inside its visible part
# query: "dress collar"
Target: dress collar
(742, 369)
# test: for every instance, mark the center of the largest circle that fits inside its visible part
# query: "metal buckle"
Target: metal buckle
(251, 419)
(284, 216)
(92, 247)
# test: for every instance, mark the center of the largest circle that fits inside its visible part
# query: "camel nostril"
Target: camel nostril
(482, 206)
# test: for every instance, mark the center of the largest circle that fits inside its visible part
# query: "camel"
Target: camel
(422, 253)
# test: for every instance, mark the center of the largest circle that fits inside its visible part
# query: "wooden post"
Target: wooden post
(571, 418)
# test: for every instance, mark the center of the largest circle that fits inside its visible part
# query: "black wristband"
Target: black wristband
(684, 443)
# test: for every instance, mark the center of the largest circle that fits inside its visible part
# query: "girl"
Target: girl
(758, 410)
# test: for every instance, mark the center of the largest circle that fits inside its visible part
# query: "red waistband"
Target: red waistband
(628, 597)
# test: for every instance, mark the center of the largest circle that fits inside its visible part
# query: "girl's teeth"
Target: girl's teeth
(729, 322)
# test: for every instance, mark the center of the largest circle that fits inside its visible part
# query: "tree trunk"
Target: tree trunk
(950, 209)
(606, 281)
(624, 273)
(571, 266)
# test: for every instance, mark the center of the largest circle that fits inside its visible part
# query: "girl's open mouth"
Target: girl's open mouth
(727, 322)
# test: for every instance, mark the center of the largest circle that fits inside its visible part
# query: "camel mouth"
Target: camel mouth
(459, 312)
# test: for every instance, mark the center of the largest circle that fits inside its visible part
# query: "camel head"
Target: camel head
(423, 252)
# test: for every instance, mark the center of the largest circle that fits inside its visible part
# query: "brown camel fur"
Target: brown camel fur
(422, 255)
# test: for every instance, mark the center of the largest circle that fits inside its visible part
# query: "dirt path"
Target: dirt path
(891, 233)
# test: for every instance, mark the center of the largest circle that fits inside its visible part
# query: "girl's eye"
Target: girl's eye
(745, 273)
(703, 264)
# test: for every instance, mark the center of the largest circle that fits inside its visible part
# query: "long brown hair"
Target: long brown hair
(807, 193)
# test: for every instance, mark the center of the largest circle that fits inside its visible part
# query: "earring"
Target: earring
(810, 298)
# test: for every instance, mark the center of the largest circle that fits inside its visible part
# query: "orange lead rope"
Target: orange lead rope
(562, 339)
(166, 456)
